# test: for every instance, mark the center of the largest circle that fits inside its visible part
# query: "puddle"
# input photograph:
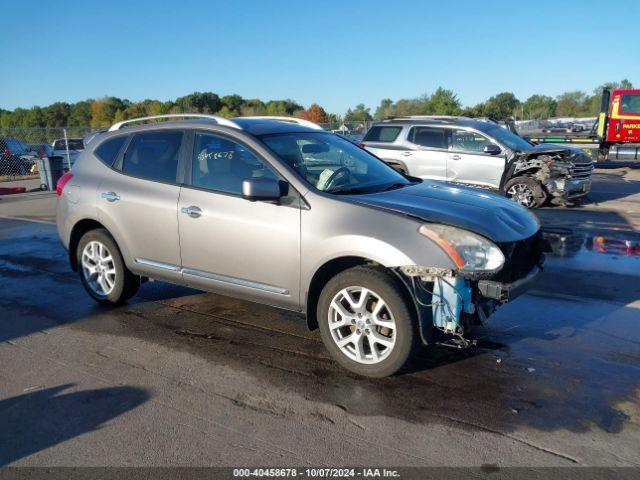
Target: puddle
(595, 253)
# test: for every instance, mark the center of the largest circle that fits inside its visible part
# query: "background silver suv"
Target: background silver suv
(483, 154)
(284, 213)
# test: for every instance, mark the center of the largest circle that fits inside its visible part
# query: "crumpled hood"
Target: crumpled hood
(485, 213)
(551, 148)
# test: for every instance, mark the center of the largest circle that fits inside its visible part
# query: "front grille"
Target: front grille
(581, 170)
(520, 257)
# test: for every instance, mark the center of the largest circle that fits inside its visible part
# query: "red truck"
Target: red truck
(616, 134)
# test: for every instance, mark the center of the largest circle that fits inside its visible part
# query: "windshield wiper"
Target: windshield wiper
(347, 191)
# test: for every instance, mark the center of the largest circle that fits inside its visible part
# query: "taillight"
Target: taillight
(62, 182)
(362, 145)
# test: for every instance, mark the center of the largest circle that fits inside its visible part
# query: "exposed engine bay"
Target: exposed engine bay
(451, 304)
(552, 168)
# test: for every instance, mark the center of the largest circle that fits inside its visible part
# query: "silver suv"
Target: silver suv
(482, 154)
(280, 212)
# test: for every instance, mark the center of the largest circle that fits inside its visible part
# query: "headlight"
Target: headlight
(470, 252)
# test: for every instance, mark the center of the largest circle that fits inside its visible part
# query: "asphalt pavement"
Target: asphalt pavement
(182, 377)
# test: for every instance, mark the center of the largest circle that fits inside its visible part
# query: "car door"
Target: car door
(138, 201)
(468, 163)
(427, 154)
(247, 249)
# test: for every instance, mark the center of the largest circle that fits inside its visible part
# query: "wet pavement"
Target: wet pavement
(181, 377)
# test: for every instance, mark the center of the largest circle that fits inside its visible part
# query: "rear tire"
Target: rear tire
(102, 270)
(374, 335)
(526, 191)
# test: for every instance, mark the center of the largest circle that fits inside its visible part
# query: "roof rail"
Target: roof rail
(219, 120)
(280, 118)
(436, 117)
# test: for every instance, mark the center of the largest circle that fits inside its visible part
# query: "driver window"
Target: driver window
(468, 142)
(221, 164)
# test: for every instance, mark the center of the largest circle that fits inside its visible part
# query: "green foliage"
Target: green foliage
(539, 107)
(359, 114)
(105, 111)
(441, 102)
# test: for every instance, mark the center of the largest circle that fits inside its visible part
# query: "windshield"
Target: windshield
(74, 144)
(511, 140)
(332, 164)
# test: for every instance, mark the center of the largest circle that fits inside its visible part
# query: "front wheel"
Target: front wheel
(102, 270)
(366, 322)
(526, 191)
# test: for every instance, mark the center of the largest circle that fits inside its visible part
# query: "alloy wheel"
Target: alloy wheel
(98, 268)
(362, 325)
(522, 193)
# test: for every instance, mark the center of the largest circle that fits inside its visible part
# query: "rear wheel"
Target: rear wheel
(366, 322)
(526, 191)
(102, 270)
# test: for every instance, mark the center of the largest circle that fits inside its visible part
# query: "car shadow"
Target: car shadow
(35, 421)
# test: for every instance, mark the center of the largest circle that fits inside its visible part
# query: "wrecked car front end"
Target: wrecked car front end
(564, 173)
(452, 302)
(495, 248)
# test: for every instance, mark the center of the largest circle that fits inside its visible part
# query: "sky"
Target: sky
(335, 53)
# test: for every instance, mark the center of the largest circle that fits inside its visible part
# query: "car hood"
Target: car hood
(490, 215)
(550, 148)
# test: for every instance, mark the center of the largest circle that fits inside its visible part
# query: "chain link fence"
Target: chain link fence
(22, 148)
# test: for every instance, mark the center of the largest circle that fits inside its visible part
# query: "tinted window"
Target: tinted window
(471, 142)
(108, 150)
(153, 156)
(74, 144)
(221, 164)
(631, 103)
(429, 137)
(382, 134)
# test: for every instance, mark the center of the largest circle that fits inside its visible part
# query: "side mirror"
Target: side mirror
(254, 189)
(492, 149)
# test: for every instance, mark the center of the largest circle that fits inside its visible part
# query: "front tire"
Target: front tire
(526, 191)
(102, 270)
(366, 322)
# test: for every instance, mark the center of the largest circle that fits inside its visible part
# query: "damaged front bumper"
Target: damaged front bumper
(450, 304)
(569, 189)
(505, 292)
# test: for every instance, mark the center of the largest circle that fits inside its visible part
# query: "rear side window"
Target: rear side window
(429, 137)
(153, 156)
(108, 151)
(382, 134)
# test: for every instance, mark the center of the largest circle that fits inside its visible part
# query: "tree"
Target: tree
(500, 106)
(55, 115)
(571, 104)
(359, 114)
(252, 107)
(206, 102)
(315, 113)
(442, 102)
(103, 110)
(386, 109)
(539, 107)
(80, 114)
(233, 103)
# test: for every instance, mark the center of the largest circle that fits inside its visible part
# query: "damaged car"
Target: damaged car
(483, 155)
(280, 212)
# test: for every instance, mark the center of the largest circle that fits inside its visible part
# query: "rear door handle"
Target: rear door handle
(407, 154)
(110, 196)
(455, 157)
(192, 211)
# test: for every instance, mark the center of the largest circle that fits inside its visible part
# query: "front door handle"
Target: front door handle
(406, 154)
(110, 196)
(192, 211)
(455, 157)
